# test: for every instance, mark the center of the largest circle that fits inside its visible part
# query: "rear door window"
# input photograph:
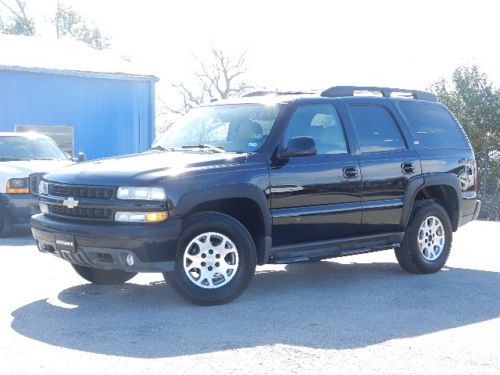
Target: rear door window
(376, 129)
(434, 126)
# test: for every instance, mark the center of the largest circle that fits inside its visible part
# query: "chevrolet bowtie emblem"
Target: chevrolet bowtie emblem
(70, 202)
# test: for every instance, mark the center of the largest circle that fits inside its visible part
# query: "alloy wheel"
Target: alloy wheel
(431, 238)
(210, 260)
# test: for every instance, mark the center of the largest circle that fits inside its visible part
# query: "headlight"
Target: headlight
(141, 193)
(17, 186)
(141, 217)
(43, 188)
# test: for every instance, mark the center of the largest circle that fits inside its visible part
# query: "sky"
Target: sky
(293, 45)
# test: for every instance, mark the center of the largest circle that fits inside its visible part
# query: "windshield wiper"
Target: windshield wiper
(207, 147)
(161, 148)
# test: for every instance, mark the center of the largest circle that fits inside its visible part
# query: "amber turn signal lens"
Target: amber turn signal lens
(141, 217)
(17, 186)
(17, 191)
(154, 217)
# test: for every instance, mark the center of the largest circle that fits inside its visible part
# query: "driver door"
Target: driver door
(317, 197)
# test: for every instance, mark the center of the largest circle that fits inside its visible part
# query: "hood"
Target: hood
(23, 168)
(145, 168)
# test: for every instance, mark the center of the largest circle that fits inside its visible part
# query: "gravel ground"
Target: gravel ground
(358, 314)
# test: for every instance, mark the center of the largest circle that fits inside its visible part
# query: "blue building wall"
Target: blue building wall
(110, 116)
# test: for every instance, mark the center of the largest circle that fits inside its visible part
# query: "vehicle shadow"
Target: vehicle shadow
(320, 305)
(17, 236)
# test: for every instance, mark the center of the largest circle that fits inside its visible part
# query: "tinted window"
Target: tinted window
(375, 128)
(434, 126)
(321, 123)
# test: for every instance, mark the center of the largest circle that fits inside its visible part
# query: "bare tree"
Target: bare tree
(19, 22)
(218, 77)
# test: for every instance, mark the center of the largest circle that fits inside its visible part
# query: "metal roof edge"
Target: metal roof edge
(79, 73)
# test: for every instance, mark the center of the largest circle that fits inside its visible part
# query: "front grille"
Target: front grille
(81, 191)
(82, 212)
(34, 181)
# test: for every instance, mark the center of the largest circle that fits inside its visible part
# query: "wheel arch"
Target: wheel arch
(245, 203)
(441, 187)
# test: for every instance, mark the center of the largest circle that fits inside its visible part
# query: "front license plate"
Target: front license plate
(65, 242)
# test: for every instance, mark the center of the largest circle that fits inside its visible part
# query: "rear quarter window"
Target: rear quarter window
(434, 126)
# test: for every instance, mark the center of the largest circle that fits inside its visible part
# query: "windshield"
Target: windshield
(232, 127)
(28, 148)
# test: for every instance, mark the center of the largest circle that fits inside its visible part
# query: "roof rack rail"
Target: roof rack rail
(267, 92)
(388, 92)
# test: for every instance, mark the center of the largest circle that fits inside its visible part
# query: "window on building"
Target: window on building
(63, 136)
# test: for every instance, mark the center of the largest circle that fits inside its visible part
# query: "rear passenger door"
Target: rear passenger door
(387, 163)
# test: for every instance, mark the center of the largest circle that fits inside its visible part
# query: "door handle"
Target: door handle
(407, 168)
(350, 172)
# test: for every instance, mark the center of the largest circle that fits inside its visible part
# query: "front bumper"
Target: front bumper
(19, 207)
(106, 246)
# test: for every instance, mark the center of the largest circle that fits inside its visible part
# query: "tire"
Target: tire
(103, 277)
(225, 254)
(3, 222)
(424, 232)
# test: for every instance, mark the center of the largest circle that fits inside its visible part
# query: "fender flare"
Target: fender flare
(435, 179)
(206, 194)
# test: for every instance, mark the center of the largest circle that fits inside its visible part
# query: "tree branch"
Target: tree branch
(17, 15)
(218, 77)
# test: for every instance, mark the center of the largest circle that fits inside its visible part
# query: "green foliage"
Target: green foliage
(20, 27)
(68, 22)
(475, 103)
(18, 22)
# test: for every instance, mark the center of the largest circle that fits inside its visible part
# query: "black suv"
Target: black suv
(268, 178)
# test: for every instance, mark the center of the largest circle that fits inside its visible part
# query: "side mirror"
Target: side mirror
(298, 146)
(81, 157)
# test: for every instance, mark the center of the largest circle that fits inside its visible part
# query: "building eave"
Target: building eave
(78, 73)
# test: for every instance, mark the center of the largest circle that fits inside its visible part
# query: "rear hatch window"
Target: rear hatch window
(434, 125)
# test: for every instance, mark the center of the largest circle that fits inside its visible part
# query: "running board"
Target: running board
(308, 251)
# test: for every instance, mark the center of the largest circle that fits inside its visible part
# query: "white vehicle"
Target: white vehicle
(24, 158)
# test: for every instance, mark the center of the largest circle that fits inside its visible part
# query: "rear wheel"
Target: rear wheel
(215, 261)
(103, 277)
(427, 242)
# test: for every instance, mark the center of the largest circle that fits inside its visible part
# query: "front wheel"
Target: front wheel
(427, 242)
(3, 222)
(216, 259)
(103, 277)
